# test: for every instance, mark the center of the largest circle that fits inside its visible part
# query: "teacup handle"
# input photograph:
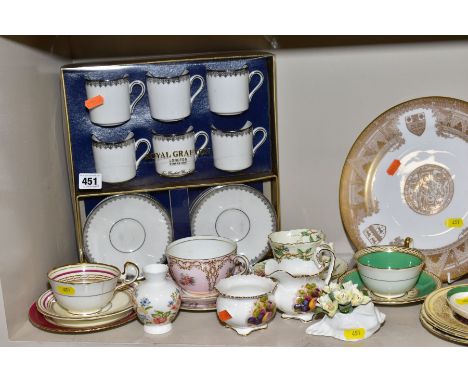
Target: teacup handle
(203, 144)
(408, 242)
(245, 262)
(254, 90)
(142, 93)
(200, 88)
(123, 278)
(262, 141)
(148, 149)
(319, 259)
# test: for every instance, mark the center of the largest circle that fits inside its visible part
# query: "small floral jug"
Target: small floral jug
(299, 285)
(157, 300)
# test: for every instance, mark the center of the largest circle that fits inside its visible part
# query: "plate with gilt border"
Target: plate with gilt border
(39, 321)
(119, 307)
(426, 284)
(406, 175)
(438, 312)
(440, 333)
(440, 328)
(237, 212)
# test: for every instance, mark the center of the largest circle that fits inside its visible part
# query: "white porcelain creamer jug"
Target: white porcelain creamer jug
(298, 284)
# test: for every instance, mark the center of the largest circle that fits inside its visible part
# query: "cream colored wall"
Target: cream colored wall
(325, 98)
(36, 228)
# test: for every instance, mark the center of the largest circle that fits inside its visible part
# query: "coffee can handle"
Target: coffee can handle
(147, 150)
(204, 144)
(262, 140)
(254, 90)
(139, 96)
(200, 88)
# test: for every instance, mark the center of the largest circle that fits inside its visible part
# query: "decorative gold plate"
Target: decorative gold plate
(406, 175)
(439, 333)
(423, 317)
(437, 310)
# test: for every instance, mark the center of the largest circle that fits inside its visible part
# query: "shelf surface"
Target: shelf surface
(401, 328)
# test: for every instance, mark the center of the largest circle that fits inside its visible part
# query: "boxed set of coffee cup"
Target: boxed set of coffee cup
(168, 131)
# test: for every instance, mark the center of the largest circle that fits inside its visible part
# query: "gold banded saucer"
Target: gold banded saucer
(426, 284)
(120, 306)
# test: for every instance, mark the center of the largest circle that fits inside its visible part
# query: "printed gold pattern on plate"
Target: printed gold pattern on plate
(428, 189)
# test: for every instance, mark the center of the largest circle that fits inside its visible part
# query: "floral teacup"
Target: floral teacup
(304, 244)
(197, 263)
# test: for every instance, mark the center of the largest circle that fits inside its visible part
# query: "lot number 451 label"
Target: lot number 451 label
(354, 334)
(90, 181)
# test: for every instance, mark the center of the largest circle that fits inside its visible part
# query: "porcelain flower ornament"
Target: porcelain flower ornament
(349, 313)
(340, 297)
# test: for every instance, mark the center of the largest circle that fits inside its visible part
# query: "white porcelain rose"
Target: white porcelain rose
(341, 297)
(349, 314)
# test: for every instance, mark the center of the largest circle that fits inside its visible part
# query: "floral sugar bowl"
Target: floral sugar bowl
(245, 302)
(157, 300)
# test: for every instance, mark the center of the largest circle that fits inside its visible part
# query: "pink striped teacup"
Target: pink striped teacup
(86, 288)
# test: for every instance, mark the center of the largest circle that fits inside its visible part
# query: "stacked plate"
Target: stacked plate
(439, 319)
(48, 315)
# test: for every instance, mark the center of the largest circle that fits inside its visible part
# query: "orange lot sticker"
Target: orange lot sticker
(392, 169)
(91, 103)
(224, 315)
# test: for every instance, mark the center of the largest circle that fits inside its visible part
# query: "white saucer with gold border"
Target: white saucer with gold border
(120, 306)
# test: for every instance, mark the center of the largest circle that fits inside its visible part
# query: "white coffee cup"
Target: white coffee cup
(228, 90)
(169, 97)
(116, 161)
(234, 150)
(116, 108)
(175, 155)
